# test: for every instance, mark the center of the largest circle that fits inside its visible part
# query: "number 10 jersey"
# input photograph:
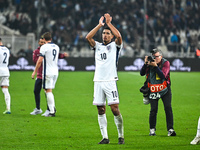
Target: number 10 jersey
(106, 61)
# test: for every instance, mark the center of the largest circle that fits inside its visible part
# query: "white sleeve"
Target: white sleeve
(96, 45)
(42, 50)
(119, 46)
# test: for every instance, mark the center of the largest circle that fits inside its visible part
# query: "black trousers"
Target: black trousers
(37, 89)
(166, 99)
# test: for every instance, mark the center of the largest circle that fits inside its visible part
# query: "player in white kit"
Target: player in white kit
(4, 75)
(105, 87)
(49, 58)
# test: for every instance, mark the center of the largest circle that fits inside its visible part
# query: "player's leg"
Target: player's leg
(37, 89)
(46, 113)
(4, 83)
(100, 101)
(118, 122)
(196, 140)
(50, 82)
(111, 91)
(50, 101)
(7, 99)
(102, 120)
(198, 128)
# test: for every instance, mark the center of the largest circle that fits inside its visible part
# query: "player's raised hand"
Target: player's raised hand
(108, 18)
(101, 21)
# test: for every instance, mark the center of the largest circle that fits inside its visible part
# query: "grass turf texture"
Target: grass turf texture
(75, 125)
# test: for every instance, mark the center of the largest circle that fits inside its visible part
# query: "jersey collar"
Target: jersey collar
(106, 44)
(50, 43)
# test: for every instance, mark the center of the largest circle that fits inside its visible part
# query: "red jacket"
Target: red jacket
(36, 54)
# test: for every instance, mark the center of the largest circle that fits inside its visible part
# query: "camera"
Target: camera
(144, 89)
(150, 58)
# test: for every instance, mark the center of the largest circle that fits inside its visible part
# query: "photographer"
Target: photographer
(157, 71)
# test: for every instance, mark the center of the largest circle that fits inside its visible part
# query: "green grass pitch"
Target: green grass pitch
(75, 125)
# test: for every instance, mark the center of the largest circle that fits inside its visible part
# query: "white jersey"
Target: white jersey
(4, 61)
(50, 52)
(106, 60)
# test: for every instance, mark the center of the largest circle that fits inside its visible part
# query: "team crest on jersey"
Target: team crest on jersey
(108, 47)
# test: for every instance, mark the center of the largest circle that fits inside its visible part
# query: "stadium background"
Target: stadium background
(171, 25)
(76, 125)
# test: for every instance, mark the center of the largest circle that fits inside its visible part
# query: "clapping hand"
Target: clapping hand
(101, 21)
(108, 18)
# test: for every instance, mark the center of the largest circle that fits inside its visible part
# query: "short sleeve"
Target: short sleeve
(42, 50)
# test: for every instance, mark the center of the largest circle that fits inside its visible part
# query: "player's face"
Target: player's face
(107, 36)
(41, 42)
(157, 57)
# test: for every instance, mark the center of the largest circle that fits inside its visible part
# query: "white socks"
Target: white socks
(198, 128)
(7, 97)
(103, 125)
(120, 127)
(51, 102)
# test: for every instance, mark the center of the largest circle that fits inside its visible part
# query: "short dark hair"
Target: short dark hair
(47, 36)
(107, 28)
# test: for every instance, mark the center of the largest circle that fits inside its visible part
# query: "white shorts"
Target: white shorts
(105, 90)
(49, 82)
(4, 81)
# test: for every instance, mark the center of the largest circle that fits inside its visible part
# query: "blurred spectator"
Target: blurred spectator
(2, 19)
(29, 51)
(174, 41)
(3, 5)
(194, 43)
(21, 53)
(68, 20)
(197, 53)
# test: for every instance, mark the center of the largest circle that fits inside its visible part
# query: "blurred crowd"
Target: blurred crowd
(174, 23)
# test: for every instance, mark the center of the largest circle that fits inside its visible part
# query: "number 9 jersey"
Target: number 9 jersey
(4, 61)
(106, 61)
(50, 52)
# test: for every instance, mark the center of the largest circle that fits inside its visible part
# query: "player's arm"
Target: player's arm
(116, 33)
(91, 34)
(63, 55)
(35, 57)
(38, 64)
